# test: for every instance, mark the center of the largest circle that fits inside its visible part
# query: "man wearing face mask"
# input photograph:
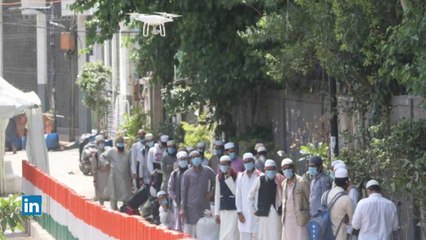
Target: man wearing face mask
(247, 223)
(342, 210)
(320, 183)
(165, 209)
(261, 158)
(99, 171)
(168, 163)
(217, 153)
(174, 187)
(197, 189)
(224, 200)
(236, 162)
(267, 192)
(136, 150)
(144, 174)
(295, 214)
(155, 155)
(119, 180)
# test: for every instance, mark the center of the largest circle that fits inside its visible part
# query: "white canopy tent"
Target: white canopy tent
(14, 102)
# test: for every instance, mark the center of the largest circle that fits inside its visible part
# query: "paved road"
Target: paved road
(63, 167)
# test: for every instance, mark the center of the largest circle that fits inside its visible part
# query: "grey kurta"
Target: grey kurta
(168, 164)
(100, 175)
(119, 180)
(195, 185)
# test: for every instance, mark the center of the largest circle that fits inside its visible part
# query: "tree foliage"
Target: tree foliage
(212, 54)
(93, 80)
(226, 49)
(395, 156)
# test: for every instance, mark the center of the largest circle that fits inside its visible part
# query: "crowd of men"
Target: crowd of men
(252, 197)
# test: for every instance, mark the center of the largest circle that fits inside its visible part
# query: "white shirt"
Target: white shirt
(136, 156)
(375, 217)
(244, 183)
(354, 195)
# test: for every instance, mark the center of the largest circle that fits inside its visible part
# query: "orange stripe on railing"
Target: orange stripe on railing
(112, 223)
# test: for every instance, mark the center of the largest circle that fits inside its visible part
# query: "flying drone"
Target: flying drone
(156, 21)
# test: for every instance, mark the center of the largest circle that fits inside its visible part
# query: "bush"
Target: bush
(133, 122)
(195, 133)
(10, 215)
(173, 130)
(396, 157)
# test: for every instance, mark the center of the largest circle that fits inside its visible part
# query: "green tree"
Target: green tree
(212, 54)
(94, 80)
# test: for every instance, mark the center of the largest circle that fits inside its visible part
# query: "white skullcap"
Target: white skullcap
(149, 136)
(336, 162)
(261, 149)
(181, 154)
(339, 166)
(286, 161)
(270, 163)
(248, 155)
(341, 173)
(170, 143)
(99, 138)
(229, 145)
(218, 143)
(194, 153)
(161, 193)
(258, 145)
(225, 158)
(164, 138)
(372, 183)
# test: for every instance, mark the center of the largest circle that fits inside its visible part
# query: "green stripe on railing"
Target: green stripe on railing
(58, 231)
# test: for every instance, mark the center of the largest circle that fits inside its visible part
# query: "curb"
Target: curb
(37, 232)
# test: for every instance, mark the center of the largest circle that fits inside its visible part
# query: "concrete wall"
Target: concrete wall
(290, 116)
(407, 107)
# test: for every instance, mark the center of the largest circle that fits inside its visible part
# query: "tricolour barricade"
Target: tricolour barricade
(67, 215)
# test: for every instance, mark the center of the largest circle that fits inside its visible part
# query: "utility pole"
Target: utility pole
(334, 132)
(1, 39)
(52, 70)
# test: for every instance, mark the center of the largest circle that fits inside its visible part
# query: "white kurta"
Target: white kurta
(270, 227)
(228, 225)
(292, 230)
(228, 218)
(244, 183)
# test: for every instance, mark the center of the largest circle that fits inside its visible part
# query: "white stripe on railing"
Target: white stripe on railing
(78, 228)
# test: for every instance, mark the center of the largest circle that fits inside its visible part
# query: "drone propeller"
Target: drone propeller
(168, 15)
